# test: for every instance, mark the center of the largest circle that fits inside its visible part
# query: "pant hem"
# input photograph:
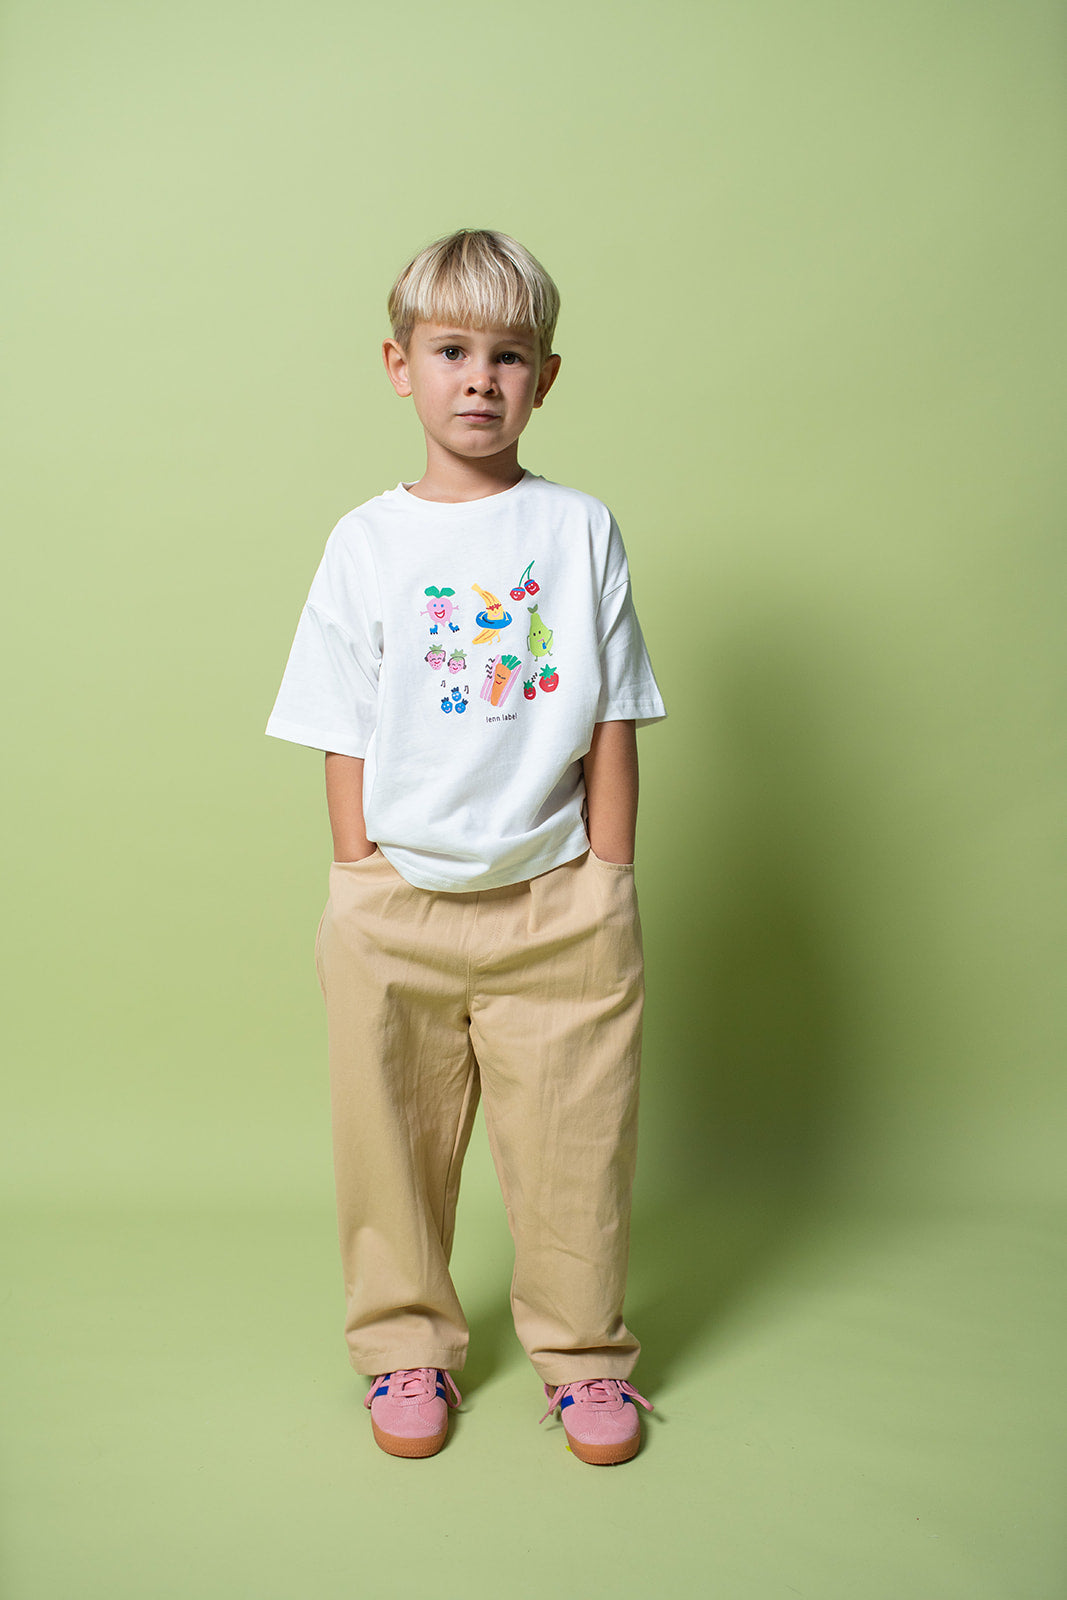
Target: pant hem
(371, 1367)
(562, 1371)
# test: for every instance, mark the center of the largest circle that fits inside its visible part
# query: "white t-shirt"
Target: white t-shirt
(466, 653)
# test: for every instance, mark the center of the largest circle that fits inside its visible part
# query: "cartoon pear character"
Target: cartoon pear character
(540, 637)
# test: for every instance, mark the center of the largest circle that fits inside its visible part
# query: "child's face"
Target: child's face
(474, 389)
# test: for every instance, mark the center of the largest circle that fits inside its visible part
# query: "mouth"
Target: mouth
(480, 416)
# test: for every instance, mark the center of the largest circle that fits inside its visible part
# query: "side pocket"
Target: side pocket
(612, 866)
(375, 855)
(319, 965)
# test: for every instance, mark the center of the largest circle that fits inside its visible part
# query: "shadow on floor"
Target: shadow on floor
(755, 932)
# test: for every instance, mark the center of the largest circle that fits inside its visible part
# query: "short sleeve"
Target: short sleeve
(329, 692)
(628, 687)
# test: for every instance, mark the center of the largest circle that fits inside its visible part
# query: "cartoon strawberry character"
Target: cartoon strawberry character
(436, 657)
(549, 678)
(529, 689)
(457, 661)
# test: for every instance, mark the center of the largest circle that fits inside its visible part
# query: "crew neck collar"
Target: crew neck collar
(449, 508)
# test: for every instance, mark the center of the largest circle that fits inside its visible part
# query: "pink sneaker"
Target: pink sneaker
(409, 1410)
(599, 1418)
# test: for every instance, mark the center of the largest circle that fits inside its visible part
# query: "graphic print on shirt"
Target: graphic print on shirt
(454, 699)
(492, 619)
(526, 585)
(540, 640)
(503, 669)
(440, 608)
(501, 675)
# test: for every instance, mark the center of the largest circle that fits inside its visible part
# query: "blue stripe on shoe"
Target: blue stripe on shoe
(442, 1392)
(568, 1400)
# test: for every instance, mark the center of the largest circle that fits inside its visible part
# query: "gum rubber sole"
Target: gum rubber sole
(410, 1449)
(604, 1455)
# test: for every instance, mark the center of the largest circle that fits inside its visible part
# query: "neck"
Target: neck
(453, 478)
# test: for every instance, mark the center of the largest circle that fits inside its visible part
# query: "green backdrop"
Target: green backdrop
(811, 259)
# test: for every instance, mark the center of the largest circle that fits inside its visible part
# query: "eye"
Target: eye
(510, 356)
(451, 352)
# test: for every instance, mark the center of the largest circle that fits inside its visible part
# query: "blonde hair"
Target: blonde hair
(476, 278)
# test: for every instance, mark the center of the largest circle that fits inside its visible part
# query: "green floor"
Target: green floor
(847, 1405)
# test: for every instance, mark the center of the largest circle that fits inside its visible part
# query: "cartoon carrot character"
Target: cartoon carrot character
(502, 678)
(500, 682)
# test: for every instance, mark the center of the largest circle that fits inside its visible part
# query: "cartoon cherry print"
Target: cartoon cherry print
(525, 585)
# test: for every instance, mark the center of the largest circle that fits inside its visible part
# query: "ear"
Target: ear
(396, 365)
(547, 378)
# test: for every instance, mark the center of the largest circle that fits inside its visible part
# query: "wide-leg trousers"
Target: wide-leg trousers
(530, 996)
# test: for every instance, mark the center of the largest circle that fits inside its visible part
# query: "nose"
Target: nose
(480, 381)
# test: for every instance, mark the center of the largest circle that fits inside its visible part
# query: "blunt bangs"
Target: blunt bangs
(476, 278)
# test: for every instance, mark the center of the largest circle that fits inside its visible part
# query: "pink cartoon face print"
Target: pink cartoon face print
(439, 608)
(435, 655)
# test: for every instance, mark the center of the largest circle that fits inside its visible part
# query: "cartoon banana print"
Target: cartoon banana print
(492, 619)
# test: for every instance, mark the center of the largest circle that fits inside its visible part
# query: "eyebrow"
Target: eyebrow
(462, 334)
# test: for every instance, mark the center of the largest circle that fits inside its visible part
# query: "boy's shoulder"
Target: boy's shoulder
(533, 493)
(394, 526)
(578, 500)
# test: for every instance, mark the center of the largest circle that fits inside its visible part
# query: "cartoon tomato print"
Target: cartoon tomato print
(549, 678)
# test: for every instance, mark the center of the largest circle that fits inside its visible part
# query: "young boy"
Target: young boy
(470, 661)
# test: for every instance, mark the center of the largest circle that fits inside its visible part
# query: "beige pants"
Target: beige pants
(530, 995)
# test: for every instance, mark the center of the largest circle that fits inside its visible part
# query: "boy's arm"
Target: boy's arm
(344, 797)
(611, 790)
